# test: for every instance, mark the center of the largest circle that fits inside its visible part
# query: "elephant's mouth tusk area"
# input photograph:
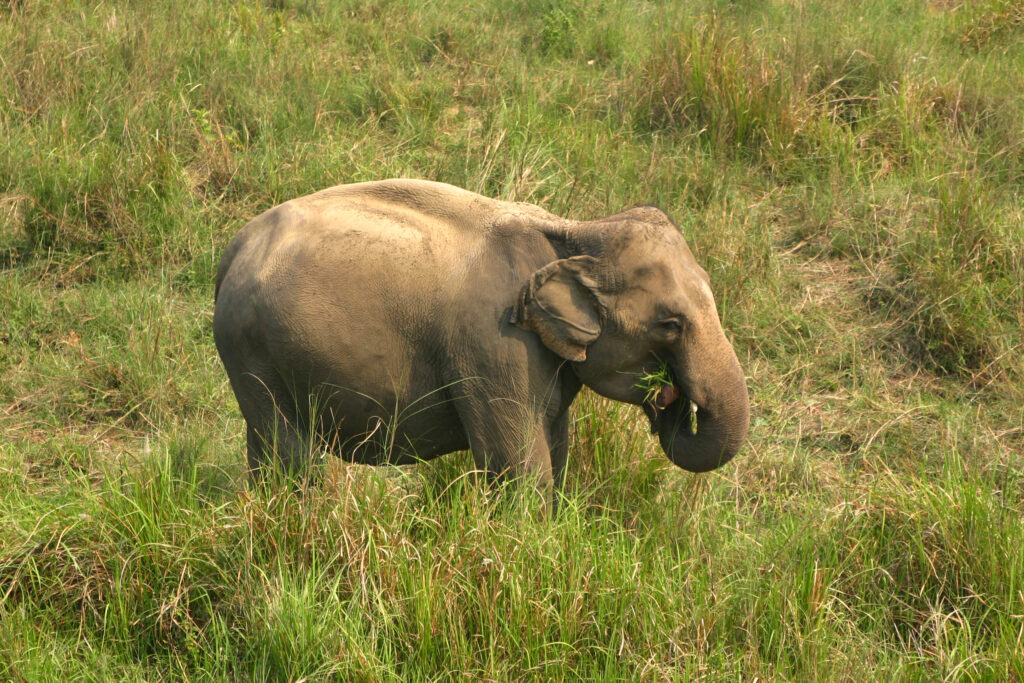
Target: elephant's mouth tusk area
(666, 396)
(670, 400)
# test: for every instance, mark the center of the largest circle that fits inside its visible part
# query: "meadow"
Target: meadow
(851, 175)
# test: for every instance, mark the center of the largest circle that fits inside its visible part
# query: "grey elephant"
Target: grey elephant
(398, 320)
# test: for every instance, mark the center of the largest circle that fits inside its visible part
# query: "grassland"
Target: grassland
(851, 176)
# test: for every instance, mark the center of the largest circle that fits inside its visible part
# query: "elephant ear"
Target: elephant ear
(562, 305)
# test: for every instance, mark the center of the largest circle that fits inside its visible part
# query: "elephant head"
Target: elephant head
(626, 299)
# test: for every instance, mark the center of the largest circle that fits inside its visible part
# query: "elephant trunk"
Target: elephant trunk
(706, 422)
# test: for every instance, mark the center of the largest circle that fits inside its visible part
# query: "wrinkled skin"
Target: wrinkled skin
(399, 320)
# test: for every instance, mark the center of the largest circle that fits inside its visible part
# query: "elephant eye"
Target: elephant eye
(670, 326)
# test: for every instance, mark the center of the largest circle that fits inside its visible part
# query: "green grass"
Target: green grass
(850, 175)
(652, 382)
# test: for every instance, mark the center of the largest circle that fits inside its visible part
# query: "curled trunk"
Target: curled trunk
(707, 424)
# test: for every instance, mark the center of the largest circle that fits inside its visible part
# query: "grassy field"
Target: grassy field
(850, 174)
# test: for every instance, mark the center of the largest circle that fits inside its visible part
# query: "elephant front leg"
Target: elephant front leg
(558, 445)
(510, 442)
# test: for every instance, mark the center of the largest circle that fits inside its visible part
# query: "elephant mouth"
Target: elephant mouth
(668, 402)
(700, 428)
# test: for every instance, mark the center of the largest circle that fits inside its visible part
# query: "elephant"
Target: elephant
(394, 321)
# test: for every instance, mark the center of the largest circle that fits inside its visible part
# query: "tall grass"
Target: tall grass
(849, 175)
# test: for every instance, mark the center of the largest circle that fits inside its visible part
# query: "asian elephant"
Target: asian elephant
(399, 320)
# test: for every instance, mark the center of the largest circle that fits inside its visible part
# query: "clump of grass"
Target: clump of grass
(704, 81)
(991, 21)
(651, 382)
(959, 282)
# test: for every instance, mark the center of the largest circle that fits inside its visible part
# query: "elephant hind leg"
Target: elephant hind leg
(276, 442)
(275, 446)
